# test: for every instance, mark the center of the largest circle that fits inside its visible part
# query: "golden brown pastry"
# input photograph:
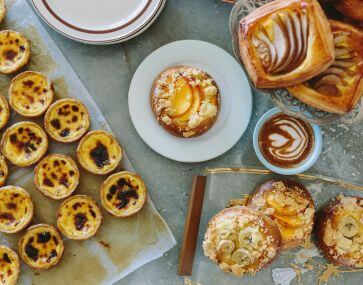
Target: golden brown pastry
(30, 93)
(241, 240)
(41, 246)
(79, 217)
(339, 231)
(16, 209)
(4, 111)
(14, 51)
(67, 120)
(56, 176)
(9, 266)
(2, 10)
(24, 143)
(123, 194)
(185, 101)
(340, 86)
(350, 8)
(285, 42)
(289, 205)
(99, 152)
(4, 171)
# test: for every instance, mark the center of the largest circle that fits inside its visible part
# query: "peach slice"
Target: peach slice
(182, 98)
(196, 101)
(289, 221)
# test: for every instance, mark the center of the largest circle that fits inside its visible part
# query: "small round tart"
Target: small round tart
(123, 194)
(241, 240)
(24, 143)
(41, 247)
(16, 209)
(339, 231)
(30, 93)
(289, 204)
(185, 101)
(99, 152)
(4, 111)
(67, 120)
(56, 176)
(2, 12)
(9, 266)
(14, 51)
(79, 217)
(4, 171)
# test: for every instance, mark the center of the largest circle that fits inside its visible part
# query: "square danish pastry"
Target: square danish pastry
(285, 42)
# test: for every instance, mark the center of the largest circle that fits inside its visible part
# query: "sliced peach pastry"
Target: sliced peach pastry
(185, 101)
(339, 231)
(241, 240)
(9, 266)
(289, 204)
(4, 111)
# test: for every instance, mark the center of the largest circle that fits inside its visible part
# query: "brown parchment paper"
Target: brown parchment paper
(121, 245)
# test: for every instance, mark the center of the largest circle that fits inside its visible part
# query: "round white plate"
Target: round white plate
(96, 22)
(236, 101)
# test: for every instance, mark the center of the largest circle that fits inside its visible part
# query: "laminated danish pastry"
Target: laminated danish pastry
(9, 266)
(185, 101)
(339, 231)
(241, 240)
(4, 111)
(338, 88)
(289, 205)
(285, 42)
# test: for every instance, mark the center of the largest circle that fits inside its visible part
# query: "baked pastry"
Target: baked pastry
(185, 101)
(56, 176)
(79, 217)
(30, 93)
(67, 120)
(350, 8)
(2, 10)
(9, 266)
(4, 111)
(14, 51)
(241, 240)
(285, 42)
(99, 152)
(339, 231)
(289, 204)
(16, 209)
(41, 246)
(340, 86)
(4, 171)
(24, 143)
(123, 194)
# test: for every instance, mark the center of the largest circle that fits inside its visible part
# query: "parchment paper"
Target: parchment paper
(121, 245)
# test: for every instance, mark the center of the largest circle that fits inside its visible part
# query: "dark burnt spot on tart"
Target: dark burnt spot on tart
(48, 182)
(64, 180)
(22, 48)
(52, 255)
(55, 124)
(125, 196)
(7, 216)
(56, 163)
(20, 130)
(11, 206)
(28, 83)
(71, 173)
(76, 205)
(65, 132)
(123, 191)
(31, 251)
(74, 119)
(44, 237)
(75, 108)
(28, 141)
(53, 175)
(80, 221)
(10, 54)
(93, 213)
(99, 155)
(6, 258)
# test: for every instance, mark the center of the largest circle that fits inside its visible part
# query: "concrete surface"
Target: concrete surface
(106, 72)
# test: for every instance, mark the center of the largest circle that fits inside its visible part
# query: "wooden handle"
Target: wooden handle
(191, 229)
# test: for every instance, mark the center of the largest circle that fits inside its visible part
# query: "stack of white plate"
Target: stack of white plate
(99, 22)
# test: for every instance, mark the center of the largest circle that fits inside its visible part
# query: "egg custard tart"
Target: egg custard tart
(185, 101)
(41, 246)
(2, 10)
(30, 93)
(339, 231)
(289, 204)
(16, 209)
(123, 194)
(99, 152)
(24, 143)
(241, 240)
(4, 111)
(56, 176)
(4, 171)
(9, 266)
(79, 217)
(14, 51)
(67, 120)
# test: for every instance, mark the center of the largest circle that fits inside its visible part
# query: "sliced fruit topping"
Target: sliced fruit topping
(226, 246)
(242, 256)
(182, 98)
(348, 226)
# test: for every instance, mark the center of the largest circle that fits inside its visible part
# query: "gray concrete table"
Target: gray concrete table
(106, 72)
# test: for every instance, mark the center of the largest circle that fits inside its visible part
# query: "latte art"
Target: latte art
(286, 141)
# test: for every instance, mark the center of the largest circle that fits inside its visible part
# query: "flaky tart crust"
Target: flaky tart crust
(185, 101)
(9, 266)
(14, 51)
(79, 217)
(56, 176)
(350, 8)
(30, 93)
(16, 209)
(4, 171)
(24, 143)
(285, 42)
(241, 241)
(4, 111)
(123, 194)
(339, 231)
(290, 205)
